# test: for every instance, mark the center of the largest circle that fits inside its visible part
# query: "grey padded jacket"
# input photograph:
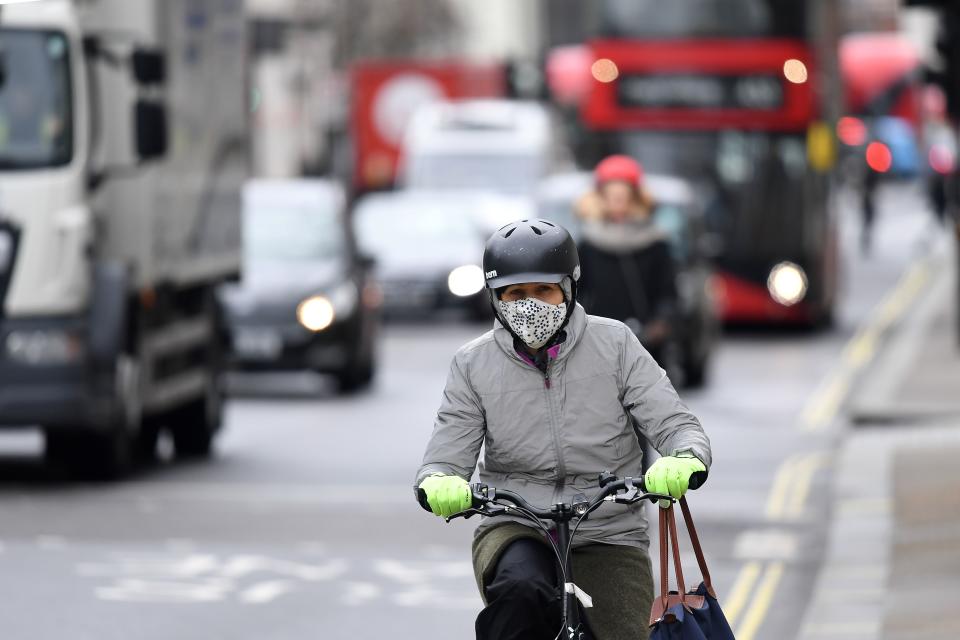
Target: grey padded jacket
(547, 437)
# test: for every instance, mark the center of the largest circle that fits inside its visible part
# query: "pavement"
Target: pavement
(892, 566)
(303, 522)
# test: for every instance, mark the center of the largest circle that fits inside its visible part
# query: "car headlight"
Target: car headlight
(44, 347)
(316, 313)
(466, 280)
(787, 283)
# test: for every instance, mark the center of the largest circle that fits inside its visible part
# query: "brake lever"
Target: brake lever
(630, 496)
(486, 510)
(654, 497)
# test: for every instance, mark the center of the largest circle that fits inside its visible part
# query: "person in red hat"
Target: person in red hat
(629, 273)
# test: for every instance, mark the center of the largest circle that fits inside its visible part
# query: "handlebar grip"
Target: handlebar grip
(421, 497)
(606, 478)
(697, 479)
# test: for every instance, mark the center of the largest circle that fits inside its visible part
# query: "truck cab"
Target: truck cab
(123, 186)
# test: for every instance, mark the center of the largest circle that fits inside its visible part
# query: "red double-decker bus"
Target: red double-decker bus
(740, 96)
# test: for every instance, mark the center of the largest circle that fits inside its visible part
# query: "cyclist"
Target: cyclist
(554, 396)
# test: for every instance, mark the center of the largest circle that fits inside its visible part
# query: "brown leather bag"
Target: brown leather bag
(669, 543)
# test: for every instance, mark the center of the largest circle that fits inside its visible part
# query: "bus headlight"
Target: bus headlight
(787, 283)
(315, 313)
(466, 280)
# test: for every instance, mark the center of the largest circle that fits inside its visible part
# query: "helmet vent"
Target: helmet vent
(549, 224)
(509, 232)
(536, 230)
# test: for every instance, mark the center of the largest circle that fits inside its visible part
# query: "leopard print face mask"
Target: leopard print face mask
(533, 320)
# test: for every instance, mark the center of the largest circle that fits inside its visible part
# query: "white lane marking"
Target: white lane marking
(195, 577)
(359, 593)
(264, 592)
(168, 577)
(151, 564)
(144, 591)
(243, 565)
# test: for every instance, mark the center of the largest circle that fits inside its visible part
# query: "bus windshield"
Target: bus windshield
(754, 184)
(702, 18)
(35, 95)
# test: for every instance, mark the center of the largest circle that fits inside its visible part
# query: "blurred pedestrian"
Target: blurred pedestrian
(553, 396)
(941, 147)
(868, 210)
(629, 272)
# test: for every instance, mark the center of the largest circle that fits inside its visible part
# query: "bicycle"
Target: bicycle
(491, 502)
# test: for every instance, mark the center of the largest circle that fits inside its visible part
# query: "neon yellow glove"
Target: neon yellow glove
(673, 475)
(447, 495)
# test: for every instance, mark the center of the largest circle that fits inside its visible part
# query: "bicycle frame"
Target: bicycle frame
(491, 502)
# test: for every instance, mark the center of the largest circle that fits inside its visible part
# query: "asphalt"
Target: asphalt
(892, 568)
(303, 524)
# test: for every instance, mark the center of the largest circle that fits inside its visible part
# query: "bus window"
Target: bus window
(702, 18)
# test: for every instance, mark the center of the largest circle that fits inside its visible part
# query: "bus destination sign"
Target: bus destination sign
(752, 92)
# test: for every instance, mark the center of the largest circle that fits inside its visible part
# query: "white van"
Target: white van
(499, 145)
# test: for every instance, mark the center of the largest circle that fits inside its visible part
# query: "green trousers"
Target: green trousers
(619, 579)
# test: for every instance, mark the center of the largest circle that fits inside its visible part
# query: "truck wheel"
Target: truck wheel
(194, 425)
(91, 456)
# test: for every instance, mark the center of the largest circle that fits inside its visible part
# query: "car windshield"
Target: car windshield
(667, 216)
(503, 173)
(561, 211)
(702, 18)
(35, 96)
(671, 219)
(408, 228)
(292, 234)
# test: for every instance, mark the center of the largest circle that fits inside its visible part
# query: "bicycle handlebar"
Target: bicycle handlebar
(489, 501)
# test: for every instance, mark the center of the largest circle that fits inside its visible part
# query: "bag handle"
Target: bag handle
(670, 545)
(697, 549)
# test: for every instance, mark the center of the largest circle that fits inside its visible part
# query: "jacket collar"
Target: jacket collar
(574, 328)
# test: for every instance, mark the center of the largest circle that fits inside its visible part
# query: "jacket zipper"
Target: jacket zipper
(555, 427)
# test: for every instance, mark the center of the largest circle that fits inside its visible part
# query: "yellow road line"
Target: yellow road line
(825, 403)
(792, 485)
(741, 590)
(761, 602)
(805, 473)
(862, 348)
(794, 478)
(781, 487)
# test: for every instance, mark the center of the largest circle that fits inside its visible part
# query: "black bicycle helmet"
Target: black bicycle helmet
(531, 251)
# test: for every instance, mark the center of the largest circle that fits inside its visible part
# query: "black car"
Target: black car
(681, 217)
(306, 299)
(428, 246)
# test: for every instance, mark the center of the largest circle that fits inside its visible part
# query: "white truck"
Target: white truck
(123, 150)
